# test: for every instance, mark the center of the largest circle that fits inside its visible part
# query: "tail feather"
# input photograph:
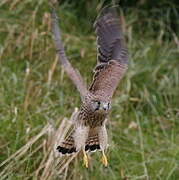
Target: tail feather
(92, 144)
(68, 145)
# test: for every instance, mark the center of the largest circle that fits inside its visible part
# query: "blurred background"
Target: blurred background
(36, 95)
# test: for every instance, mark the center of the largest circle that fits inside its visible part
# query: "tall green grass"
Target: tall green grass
(34, 91)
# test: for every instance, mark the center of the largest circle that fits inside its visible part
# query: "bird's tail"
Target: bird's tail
(92, 143)
(68, 145)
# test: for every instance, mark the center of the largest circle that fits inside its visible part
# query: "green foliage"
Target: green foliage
(34, 90)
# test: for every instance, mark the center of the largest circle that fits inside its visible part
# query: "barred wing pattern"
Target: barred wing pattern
(112, 53)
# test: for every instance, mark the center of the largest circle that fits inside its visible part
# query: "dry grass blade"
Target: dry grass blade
(18, 154)
(51, 160)
(65, 165)
(52, 69)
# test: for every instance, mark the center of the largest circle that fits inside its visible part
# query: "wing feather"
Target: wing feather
(112, 53)
(110, 39)
(73, 73)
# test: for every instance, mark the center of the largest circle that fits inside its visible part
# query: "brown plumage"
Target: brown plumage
(90, 132)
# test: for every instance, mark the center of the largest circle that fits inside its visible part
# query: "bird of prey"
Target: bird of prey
(89, 132)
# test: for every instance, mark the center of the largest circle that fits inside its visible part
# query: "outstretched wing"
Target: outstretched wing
(73, 74)
(112, 53)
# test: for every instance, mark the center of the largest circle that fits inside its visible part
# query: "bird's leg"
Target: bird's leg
(103, 140)
(85, 159)
(104, 159)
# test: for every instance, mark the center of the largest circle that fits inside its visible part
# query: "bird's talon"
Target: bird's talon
(85, 159)
(104, 159)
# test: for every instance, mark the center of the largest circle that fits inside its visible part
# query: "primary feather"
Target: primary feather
(110, 39)
(112, 53)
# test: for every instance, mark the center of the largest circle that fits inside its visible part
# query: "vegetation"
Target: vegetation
(36, 95)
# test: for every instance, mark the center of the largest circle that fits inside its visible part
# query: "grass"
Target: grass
(36, 96)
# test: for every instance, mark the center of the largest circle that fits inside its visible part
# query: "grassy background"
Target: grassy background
(34, 91)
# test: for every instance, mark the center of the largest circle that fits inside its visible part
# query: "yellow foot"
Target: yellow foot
(85, 159)
(104, 159)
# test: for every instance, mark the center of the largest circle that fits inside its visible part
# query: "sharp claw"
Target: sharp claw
(85, 159)
(104, 159)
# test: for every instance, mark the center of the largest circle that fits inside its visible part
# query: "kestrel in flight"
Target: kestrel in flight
(89, 132)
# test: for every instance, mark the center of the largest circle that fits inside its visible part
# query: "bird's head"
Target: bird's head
(97, 103)
(100, 106)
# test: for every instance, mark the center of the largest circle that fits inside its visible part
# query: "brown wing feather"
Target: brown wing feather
(73, 73)
(106, 80)
(110, 39)
(112, 53)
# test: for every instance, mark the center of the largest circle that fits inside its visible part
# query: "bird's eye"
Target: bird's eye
(97, 105)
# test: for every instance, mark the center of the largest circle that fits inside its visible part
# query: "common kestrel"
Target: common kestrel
(90, 124)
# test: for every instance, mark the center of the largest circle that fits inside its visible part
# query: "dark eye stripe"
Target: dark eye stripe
(108, 105)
